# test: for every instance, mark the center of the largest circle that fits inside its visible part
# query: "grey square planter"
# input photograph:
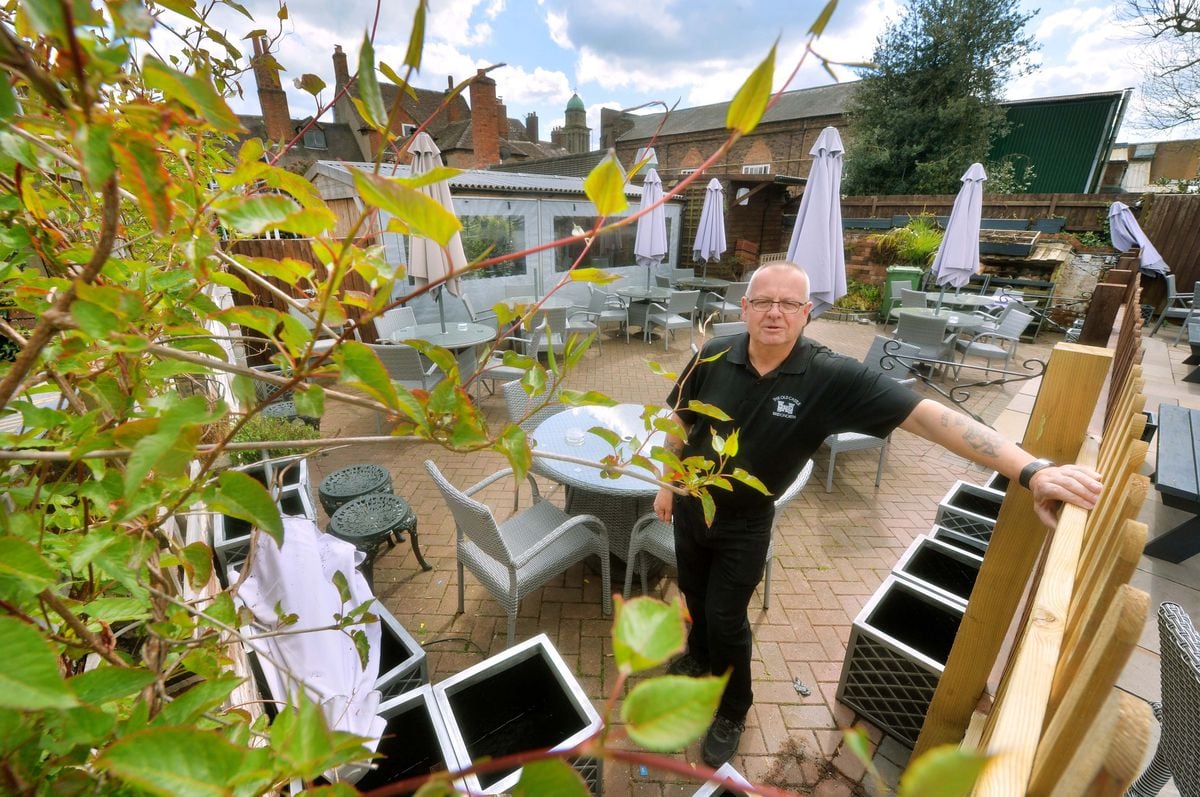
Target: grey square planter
(402, 662)
(897, 651)
(970, 510)
(997, 481)
(415, 742)
(522, 699)
(714, 789)
(947, 570)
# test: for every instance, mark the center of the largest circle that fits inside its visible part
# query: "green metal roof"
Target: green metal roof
(1066, 139)
(575, 103)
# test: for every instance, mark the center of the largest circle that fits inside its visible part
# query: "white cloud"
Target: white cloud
(523, 89)
(556, 24)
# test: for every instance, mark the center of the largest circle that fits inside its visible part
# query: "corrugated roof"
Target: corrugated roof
(799, 104)
(578, 165)
(476, 179)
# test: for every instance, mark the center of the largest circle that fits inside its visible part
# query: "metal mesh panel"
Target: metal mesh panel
(966, 523)
(590, 769)
(886, 686)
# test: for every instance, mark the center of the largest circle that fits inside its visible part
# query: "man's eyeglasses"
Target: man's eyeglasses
(785, 305)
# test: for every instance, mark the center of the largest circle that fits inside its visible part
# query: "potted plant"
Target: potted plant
(914, 244)
(861, 299)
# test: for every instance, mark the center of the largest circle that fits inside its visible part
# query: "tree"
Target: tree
(1171, 90)
(927, 108)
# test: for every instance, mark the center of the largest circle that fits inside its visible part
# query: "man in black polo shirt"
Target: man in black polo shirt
(784, 396)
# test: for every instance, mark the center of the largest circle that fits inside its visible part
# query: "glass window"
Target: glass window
(612, 249)
(756, 168)
(407, 130)
(502, 234)
(314, 138)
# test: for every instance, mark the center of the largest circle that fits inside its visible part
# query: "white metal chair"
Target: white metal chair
(1178, 753)
(677, 313)
(1178, 305)
(843, 442)
(513, 558)
(991, 345)
(724, 305)
(394, 320)
(656, 538)
(518, 403)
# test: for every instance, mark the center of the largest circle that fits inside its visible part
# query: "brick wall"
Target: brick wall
(485, 128)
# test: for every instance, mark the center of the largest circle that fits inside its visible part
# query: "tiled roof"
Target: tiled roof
(578, 165)
(800, 104)
(340, 141)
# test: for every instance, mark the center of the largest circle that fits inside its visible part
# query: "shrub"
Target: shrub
(913, 244)
(267, 428)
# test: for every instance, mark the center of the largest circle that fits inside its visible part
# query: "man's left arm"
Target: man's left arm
(968, 438)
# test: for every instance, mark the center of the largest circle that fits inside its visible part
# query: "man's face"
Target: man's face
(774, 326)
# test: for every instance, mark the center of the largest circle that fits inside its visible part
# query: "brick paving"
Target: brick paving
(832, 551)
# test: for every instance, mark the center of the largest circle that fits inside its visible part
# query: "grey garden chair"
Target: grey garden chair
(991, 345)
(1178, 305)
(724, 305)
(677, 313)
(894, 300)
(394, 320)
(1193, 314)
(494, 370)
(656, 538)
(518, 404)
(523, 553)
(843, 442)
(678, 274)
(727, 329)
(519, 290)
(554, 334)
(1178, 753)
(928, 334)
(911, 298)
(662, 280)
(478, 314)
(602, 308)
(405, 365)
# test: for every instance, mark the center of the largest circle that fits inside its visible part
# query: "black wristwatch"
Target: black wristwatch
(1032, 468)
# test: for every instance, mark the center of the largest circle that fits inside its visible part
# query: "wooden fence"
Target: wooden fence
(1082, 211)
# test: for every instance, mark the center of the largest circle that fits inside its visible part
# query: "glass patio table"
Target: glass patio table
(703, 283)
(639, 302)
(955, 320)
(619, 501)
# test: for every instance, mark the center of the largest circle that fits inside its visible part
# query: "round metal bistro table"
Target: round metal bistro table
(344, 485)
(376, 522)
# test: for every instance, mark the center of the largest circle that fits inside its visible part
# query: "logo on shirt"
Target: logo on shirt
(785, 407)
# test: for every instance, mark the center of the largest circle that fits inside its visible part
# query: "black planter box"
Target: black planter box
(522, 699)
(414, 743)
(961, 541)
(897, 651)
(970, 510)
(1151, 426)
(997, 481)
(947, 570)
(402, 661)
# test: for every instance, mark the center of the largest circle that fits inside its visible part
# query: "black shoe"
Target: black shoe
(689, 666)
(721, 741)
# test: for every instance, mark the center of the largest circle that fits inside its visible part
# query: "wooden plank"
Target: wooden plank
(1126, 748)
(1056, 428)
(1075, 774)
(1098, 323)
(1106, 655)
(1177, 453)
(1016, 722)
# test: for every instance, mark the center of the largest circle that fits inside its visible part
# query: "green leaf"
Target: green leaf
(342, 586)
(945, 771)
(310, 401)
(106, 683)
(112, 610)
(606, 434)
(605, 186)
(818, 26)
(666, 714)
(750, 481)
(175, 761)
(731, 444)
(94, 142)
(46, 17)
(750, 102)
(514, 445)
(368, 87)
(29, 679)
(243, 496)
(709, 410)
(191, 91)
(204, 696)
(416, 36)
(596, 275)
(197, 559)
(23, 571)
(362, 369)
(424, 215)
(590, 398)
(550, 776)
(709, 507)
(8, 100)
(143, 174)
(646, 633)
(310, 83)
(303, 742)
(256, 214)
(858, 743)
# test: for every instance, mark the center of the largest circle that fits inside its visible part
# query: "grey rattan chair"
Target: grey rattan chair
(405, 365)
(524, 552)
(679, 312)
(853, 441)
(1178, 753)
(494, 370)
(928, 334)
(656, 538)
(518, 403)
(602, 308)
(991, 345)
(478, 313)
(394, 320)
(1178, 305)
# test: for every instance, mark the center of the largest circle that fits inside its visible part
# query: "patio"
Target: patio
(832, 552)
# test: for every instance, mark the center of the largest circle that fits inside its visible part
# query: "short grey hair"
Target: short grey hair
(782, 265)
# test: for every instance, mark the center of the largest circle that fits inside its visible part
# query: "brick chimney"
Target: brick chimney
(531, 124)
(454, 109)
(485, 129)
(342, 108)
(501, 119)
(271, 96)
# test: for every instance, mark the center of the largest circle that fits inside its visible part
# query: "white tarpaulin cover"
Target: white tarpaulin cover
(299, 578)
(1127, 233)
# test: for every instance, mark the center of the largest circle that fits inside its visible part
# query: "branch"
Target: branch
(93, 641)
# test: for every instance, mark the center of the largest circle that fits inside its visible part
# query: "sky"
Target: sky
(626, 53)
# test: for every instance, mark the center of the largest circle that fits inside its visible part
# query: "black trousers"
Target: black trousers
(719, 567)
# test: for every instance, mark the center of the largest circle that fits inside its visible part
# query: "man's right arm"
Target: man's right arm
(664, 500)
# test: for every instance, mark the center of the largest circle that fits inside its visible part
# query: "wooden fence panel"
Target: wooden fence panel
(1082, 211)
(1172, 223)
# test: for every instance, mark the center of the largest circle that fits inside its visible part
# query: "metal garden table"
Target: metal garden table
(374, 521)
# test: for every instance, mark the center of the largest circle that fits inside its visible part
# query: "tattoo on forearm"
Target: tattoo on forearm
(983, 440)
